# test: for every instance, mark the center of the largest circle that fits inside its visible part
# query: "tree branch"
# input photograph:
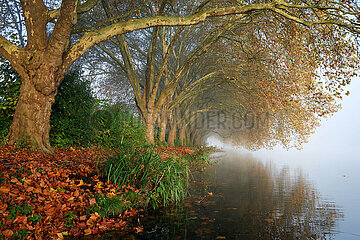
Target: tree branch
(89, 39)
(87, 6)
(11, 52)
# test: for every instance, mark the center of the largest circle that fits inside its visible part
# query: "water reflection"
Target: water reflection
(243, 198)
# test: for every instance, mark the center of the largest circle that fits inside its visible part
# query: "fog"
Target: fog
(330, 159)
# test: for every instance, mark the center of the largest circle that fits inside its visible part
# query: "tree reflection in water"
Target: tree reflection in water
(242, 198)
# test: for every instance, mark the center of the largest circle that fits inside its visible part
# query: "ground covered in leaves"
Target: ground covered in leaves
(52, 196)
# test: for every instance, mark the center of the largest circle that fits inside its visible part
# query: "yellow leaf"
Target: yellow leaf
(60, 236)
(81, 183)
(111, 194)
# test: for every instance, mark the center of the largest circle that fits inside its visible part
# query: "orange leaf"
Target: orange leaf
(82, 225)
(4, 189)
(81, 183)
(8, 233)
(92, 201)
(87, 231)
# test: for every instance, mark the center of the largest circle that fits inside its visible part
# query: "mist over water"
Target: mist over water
(330, 161)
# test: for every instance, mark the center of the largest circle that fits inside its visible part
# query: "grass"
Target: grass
(162, 181)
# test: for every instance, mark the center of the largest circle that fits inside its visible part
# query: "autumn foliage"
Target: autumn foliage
(52, 196)
(49, 195)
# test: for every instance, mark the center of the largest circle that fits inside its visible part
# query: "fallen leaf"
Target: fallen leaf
(92, 201)
(82, 225)
(8, 233)
(60, 236)
(87, 231)
(4, 189)
(81, 183)
(269, 220)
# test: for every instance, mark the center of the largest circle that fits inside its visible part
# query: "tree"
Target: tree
(46, 57)
(271, 76)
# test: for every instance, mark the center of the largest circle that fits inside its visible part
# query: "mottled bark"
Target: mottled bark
(32, 115)
(40, 65)
(149, 122)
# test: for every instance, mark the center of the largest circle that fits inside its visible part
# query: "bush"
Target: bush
(118, 128)
(163, 181)
(10, 82)
(70, 116)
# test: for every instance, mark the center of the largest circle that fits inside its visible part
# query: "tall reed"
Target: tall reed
(161, 180)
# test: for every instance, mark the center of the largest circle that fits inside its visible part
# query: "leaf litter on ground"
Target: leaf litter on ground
(57, 190)
(49, 196)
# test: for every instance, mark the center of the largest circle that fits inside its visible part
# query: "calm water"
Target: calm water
(245, 196)
(267, 195)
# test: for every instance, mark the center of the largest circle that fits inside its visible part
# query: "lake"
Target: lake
(246, 196)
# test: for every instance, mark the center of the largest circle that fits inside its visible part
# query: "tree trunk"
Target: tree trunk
(149, 121)
(192, 138)
(182, 135)
(31, 121)
(198, 140)
(162, 125)
(171, 134)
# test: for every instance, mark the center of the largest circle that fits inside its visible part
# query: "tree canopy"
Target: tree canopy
(42, 39)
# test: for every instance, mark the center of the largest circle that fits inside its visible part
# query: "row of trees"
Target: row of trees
(289, 59)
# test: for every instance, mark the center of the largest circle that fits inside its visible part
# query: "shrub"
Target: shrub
(10, 82)
(71, 112)
(118, 128)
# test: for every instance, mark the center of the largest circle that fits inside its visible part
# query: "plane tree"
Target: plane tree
(293, 83)
(49, 52)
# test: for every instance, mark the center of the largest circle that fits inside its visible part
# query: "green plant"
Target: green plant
(70, 219)
(117, 127)
(19, 210)
(70, 116)
(169, 183)
(24, 142)
(35, 218)
(163, 181)
(20, 234)
(110, 206)
(131, 167)
(10, 82)
(2, 180)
